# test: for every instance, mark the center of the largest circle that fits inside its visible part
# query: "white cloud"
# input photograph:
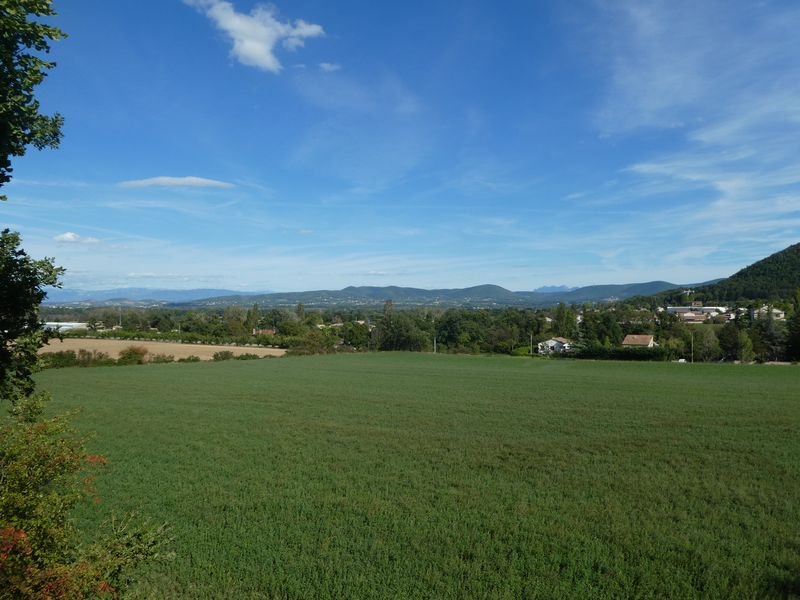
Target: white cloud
(164, 181)
(69, 237)
(329, 67)
(255, 35)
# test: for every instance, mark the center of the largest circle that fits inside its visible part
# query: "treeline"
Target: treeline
(594, 331)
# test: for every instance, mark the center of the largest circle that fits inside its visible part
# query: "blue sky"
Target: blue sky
(314, 144)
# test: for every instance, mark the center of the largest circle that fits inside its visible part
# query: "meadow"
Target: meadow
(429, 476)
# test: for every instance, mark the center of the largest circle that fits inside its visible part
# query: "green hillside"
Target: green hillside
(775, 277)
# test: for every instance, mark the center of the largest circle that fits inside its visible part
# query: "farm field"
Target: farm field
(422, 476)
(113, 348)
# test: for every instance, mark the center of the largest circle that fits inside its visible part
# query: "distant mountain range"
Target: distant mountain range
(555, 288)
(777, 276)
(482, 296)
(135, 295)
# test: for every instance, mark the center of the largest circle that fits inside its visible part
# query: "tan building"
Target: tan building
(639, 341)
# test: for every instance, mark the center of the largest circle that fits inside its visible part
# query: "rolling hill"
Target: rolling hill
(482, 296)
(774, 277)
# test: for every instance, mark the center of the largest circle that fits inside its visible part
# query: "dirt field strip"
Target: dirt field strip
(113, 347)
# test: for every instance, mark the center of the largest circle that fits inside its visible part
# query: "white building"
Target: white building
(556, 344)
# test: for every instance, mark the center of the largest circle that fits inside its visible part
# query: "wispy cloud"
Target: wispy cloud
(386, 97)
(677, 63)
(724, 86)
(329, 67)
(256, 34)
(165, 181)
(69, 237)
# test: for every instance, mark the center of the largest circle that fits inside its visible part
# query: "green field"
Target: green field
(421, 476)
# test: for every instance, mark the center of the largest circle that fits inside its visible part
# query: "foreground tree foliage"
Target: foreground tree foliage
(21, 292)
(22, 42)
(45, 469)
(45, 472)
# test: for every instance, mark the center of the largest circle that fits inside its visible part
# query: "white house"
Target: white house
(761, 313)
(556, 344)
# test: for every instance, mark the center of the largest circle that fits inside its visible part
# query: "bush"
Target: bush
(132, 355)
(190, 358)
(94, 358)
(223, 355)
(248, 356)
(68, 358)
(58, 360)
(46, 471)
(161, 358)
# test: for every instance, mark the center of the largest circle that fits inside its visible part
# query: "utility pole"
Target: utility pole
(692, 347)
(530, 348)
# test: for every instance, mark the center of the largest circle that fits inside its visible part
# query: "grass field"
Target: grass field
(420, 476)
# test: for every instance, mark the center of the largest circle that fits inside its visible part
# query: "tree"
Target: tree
(768, 336)
(793, 337)
(729, 341)
(565, 323)
(233, 320)
(22, 39)
(22, 282)
(706, 344)
(356, 335)
(745, 352)
(253, 319)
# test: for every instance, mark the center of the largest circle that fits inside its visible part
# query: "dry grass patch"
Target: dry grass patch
(113, 348)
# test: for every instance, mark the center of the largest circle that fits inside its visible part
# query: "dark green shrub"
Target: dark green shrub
(58, 360)
(161, 358)
(190, 358)
(69, 358)
(223, 355)
(132, 355)
(247, 356)
(94, 358)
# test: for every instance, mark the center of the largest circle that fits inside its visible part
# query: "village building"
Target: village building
(639, 341)
(556, 344)
(697, 313)
(761, 313)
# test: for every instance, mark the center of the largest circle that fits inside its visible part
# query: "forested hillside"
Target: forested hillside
(775, 277)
